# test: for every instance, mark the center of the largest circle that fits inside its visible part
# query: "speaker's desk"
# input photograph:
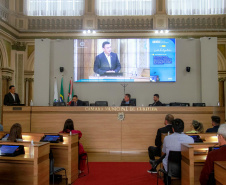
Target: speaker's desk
(26, 169)
(220, 172)
(108, 129)
(193, 159)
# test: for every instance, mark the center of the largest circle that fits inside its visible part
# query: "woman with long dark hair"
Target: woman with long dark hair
(15, 133)
(69, 127)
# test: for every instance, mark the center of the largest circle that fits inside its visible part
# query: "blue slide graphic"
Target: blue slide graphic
(162, 60)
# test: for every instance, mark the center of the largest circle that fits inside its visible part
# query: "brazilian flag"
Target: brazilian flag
(62, 91)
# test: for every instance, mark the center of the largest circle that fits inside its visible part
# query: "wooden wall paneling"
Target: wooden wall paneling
(21, 115)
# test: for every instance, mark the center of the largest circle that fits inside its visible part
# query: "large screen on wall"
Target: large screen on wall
(124, 60)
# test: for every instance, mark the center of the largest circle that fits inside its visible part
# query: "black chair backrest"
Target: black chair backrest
(59, 104)
(101, 103)
(92, 104)
(198, 104)
(51, 162)
(85, 103)
(174, 164)
(179, 104)
(133, 101)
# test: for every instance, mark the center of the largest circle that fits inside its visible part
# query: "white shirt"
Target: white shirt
(173, 143)
(109, 59)
(13, 96)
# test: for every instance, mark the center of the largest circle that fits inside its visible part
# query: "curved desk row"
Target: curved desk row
(106, 129)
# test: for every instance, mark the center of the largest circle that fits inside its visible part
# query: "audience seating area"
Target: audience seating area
(65, 154)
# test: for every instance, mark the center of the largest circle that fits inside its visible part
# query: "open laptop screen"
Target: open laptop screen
(51, 138)
(8, 149)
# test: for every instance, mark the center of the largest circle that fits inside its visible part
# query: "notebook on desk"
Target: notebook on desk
(11, 150)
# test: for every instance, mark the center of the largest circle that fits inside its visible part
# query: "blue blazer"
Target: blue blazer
(101, 64)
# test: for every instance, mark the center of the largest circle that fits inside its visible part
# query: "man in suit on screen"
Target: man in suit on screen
(11, 98)
(106, 62)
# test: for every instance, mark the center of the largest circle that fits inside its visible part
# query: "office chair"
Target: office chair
(173, 166)
(179, 104)
(133, 101)
(59, 104)
(198, 104)
(53, 170)
(101, 103)
(85, 103)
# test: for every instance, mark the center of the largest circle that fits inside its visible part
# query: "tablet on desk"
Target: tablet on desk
(52, 138)
(11, 150)
(213, 148)
(196, 138)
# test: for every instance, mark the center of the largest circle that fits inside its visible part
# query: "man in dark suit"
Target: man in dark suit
(156, 100)
(156, 151)
(11, 98)
(216, 120)
(75, 101)
(106, 62)
(126, 101)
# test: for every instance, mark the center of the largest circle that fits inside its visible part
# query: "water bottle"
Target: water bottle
(31, 103)
(31, 149)
(218, 104)
(168, 133)
(70, 133)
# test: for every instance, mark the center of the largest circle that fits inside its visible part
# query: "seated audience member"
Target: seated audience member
(11, 98)
(126, 101)
(156, 151)
(197, 127)
(172, 143)
(215, 155)
(156, 100)
(15, 133)
(215, 123)
(69, 127)
(75, 101)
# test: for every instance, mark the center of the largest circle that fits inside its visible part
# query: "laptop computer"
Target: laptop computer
(52, 138)
(196, 138)
(213, 148)
(11, 150)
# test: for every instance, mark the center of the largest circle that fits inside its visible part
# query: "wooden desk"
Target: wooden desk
(103, 132)
(206, 137)
(192, 162)
(25, 169)
(219, 172)
(65, 154)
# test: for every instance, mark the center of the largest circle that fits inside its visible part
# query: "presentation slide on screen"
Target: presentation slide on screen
(124, 60)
